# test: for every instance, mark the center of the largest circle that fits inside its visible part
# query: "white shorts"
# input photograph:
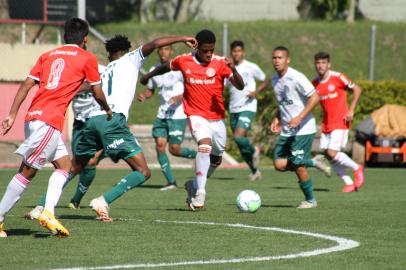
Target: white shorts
(335, 140)
(42, 143)
(214, 129)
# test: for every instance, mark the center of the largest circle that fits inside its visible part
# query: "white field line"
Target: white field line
(341, 244)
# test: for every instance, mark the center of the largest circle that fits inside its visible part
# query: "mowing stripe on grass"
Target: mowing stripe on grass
(342, 244)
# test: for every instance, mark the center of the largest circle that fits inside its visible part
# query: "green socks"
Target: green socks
(166, 167)
(307, 189)
(44, 195)
(129, 182)
(86, 178)
(246, 150)
(187, 153)
(309, 163)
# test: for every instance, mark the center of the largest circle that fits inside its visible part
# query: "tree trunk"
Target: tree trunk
(183, 11)
(351, 12)
(4, 14)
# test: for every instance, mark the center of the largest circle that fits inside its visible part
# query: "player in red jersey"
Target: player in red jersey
(332, 87)
(59, 73)
(204, 74)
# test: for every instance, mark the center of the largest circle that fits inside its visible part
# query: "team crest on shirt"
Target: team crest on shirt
(210, 72)
(331, 87)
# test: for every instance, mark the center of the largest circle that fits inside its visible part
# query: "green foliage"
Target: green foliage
(374, 96)
(323, 9)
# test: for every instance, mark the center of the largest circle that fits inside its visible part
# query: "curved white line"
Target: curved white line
(342, 244)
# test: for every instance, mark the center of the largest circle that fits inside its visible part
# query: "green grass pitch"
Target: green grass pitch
(375, 217)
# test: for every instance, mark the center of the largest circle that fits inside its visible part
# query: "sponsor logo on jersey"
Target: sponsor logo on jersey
(176, 133)
(285, 102)
(210, 72)
(115, 143)
(188, 71)
(329, 96)
(34, 113)
(200, 81)
(71, 53)
(331, 87)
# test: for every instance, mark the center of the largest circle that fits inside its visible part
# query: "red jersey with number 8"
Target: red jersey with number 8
(204, 85)
(60, 73)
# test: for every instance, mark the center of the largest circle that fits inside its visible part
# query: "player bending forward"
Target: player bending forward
(59, 73)
(203, 74)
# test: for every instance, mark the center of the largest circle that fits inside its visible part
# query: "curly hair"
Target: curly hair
(118, 43)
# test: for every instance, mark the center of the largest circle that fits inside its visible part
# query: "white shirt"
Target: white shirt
(239, 101)
(292, 92)
(83, 103)
(169, 85)
(119, 82)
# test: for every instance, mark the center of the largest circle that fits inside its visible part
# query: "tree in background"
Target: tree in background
(329, 9)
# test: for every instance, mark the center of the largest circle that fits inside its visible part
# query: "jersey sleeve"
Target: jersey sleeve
(347, 83)
(258, 73)
(226, 71)
(35, 72)
(91, 70)
(175, 63)
(304, 86)
(136, 57)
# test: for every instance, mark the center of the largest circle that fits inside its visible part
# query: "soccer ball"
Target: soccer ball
(248, 201)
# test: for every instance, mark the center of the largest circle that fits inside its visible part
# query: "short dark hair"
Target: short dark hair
(117, 43)
(205, 36)
(322, 56)
(75, 31)
(237, 43)
(281, 48)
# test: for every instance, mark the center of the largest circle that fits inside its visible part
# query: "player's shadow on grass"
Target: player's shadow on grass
(295, 188)
(77, 217)
(21, 232)
(151, 186)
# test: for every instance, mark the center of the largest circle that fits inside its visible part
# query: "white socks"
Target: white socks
(340, 170)
(344, 160)
(202, 167)
(55, 186)
(15, 188)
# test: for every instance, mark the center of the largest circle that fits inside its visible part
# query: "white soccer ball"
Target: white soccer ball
(248, 201)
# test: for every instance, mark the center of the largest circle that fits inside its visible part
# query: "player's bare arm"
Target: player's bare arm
(176, 99)
(236, 79)
(312, 101)
(18, 100)
(148, 48)
(101, 99)
(263, 85)
(356, 94)
(159, 70)
(145, 95)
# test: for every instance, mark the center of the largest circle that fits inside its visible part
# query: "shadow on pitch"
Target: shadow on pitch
(77, 217)
(21, 232)
(223, 178)
(151, 186)
(295, 188)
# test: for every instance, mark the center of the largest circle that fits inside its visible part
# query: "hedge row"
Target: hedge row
(374, 96)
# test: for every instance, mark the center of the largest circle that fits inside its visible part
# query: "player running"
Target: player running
(203, 74)
(59, 73)
(243, 106)
(296, 99)
(119, 82)
(82, 105)
(170, 123)
(332, 87)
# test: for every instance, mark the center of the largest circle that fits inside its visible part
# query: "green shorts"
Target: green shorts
(113, 136)
(296, 149)
(78, 126)
(172, 129)
(242, 120)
